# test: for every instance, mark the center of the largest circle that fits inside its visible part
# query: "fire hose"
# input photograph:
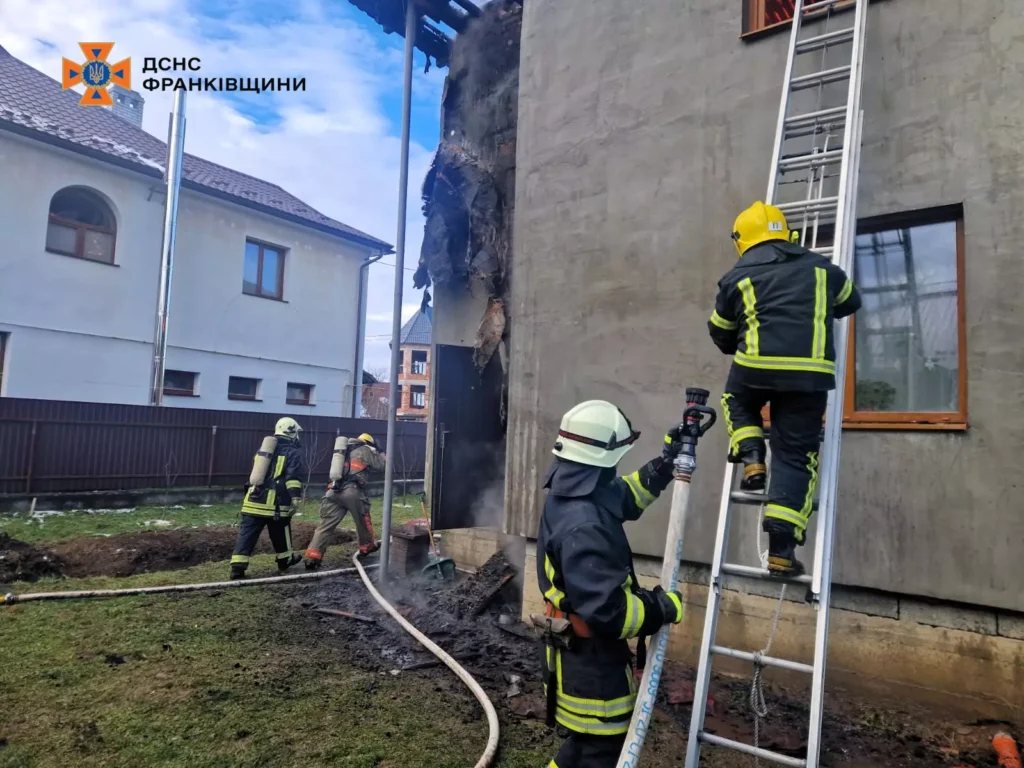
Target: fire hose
(452, 664)
(11, 598)
(685, 465)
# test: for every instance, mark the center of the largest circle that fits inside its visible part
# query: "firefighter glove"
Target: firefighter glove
(673, 443)
(661, 608)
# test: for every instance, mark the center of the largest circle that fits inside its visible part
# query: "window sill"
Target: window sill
(245, 398)
(906, 426)
(299, 402)
(179, 393)
(81, 258)
(268, 298)
(773, 29)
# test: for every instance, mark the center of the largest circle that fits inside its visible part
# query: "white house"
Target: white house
(268, 295)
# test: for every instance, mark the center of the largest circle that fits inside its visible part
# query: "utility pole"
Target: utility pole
(411, 22)
(175, 150)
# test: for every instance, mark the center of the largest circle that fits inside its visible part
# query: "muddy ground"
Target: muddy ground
(127, 554)
(501, 654)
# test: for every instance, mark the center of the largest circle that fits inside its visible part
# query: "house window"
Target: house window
(419, 397)
(4, 337)
(299, 394)
(764, 14)
(263, 274)
(241, 388)
(81, 224)
(419, 362)
(180, 383)
(906, 364)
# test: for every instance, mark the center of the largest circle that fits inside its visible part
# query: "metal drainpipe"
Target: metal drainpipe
(357, 376)
(175, 151)
(411, 21)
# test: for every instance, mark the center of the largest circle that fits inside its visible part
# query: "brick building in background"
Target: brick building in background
(414, 372)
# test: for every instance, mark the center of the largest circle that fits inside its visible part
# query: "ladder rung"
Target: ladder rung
(811, 160)
(764, 754)
(756, 498)
(768, 661)
(816, 43)
(750, 572)
(819, 5)
(824, 77)
(821, 205)
(810, 123)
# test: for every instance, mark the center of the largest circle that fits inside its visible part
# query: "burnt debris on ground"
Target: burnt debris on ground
(127, 554)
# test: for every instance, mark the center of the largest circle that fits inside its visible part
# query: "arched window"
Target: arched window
(81, 224)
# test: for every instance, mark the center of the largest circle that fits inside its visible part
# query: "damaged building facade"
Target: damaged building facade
(638, 137)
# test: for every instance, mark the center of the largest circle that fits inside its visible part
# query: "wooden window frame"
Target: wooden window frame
(81, 228)
(255, 398)
(259, 293)
(903, 420)
(170, 392)
(292, 401)
(753, 13)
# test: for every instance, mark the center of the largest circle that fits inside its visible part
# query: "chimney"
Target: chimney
(127, 105)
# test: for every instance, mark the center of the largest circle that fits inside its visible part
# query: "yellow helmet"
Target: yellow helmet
(287, 427)
(757, 224)
(367, 438)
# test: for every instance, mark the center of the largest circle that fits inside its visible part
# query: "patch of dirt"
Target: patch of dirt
(127, 554)
(20, 561)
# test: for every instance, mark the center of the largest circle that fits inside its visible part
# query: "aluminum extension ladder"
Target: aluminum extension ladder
(806, 185)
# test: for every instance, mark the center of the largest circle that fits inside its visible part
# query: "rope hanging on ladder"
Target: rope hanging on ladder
(758, 705)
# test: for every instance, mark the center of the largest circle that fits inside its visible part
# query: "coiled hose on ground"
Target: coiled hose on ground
(492, 716)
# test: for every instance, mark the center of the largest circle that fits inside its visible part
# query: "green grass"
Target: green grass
(72, 525)
(220, 681)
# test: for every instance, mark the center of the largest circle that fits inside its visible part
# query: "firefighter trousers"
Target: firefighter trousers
(583, 750)
(249, 530)
(333, 508)
(796, 419)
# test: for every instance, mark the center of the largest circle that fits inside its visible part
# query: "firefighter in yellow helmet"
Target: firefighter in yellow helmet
(348, 496)
(275, 483)
(585, 572)
(774, 314)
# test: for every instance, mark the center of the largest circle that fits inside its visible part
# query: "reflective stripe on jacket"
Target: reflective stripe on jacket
(774, 313)
(284, 482)
(585, 567)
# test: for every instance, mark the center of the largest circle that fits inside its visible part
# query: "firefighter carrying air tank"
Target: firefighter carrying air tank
(275, 483)
(774, 314)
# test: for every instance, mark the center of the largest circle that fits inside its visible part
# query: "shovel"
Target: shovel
(442, 568)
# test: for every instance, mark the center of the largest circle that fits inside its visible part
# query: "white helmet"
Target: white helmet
(287, 427)
(595, 433)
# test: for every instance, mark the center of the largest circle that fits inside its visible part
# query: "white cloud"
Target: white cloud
(334, 146)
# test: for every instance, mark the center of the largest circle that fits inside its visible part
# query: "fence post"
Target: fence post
(213, 452)
(31, 455)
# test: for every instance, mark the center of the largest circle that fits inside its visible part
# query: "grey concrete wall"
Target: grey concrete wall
(641, 134)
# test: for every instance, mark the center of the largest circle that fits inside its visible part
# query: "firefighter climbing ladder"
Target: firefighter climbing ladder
(801, 149)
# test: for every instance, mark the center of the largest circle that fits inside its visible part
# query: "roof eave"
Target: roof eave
(56, 141)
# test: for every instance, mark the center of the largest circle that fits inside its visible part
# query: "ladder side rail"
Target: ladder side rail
(780, 127)
(703, 681)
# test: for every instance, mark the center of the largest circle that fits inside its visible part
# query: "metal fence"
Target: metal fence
(58, 446)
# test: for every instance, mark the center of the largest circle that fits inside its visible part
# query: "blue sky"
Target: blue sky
(336, 145)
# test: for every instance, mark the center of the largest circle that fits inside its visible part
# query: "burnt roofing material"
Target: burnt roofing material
(33, 105)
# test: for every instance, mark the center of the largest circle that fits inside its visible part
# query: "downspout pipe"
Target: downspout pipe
(357, 369)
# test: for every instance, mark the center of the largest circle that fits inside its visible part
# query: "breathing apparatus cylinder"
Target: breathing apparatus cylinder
(339, 459)
(261, 464)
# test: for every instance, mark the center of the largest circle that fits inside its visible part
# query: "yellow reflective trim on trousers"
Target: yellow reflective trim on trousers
(820, 305)
(552, 764)
(812, 465)
(779, 512)
(750, 312)
(590, 707)
(590, 725)
(720, 322)
(641, 495)
(844, 294)
(785, 363)
(726, 413)
(553, 593)
(744, 433)
(239, 559)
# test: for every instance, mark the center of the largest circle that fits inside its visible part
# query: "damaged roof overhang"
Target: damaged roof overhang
(432, 41)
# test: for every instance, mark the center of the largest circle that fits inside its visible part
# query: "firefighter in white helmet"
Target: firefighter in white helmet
(346, 494)
(275, 483)
(585, 572)
(774, 314)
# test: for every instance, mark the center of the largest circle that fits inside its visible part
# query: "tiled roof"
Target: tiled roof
(417, 330)
(34, 105)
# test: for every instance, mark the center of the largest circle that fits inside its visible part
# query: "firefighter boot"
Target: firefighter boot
(755, 472)
(782, 544)
(368, 549)
(237, 571)
(314, 558)
(284, 565)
